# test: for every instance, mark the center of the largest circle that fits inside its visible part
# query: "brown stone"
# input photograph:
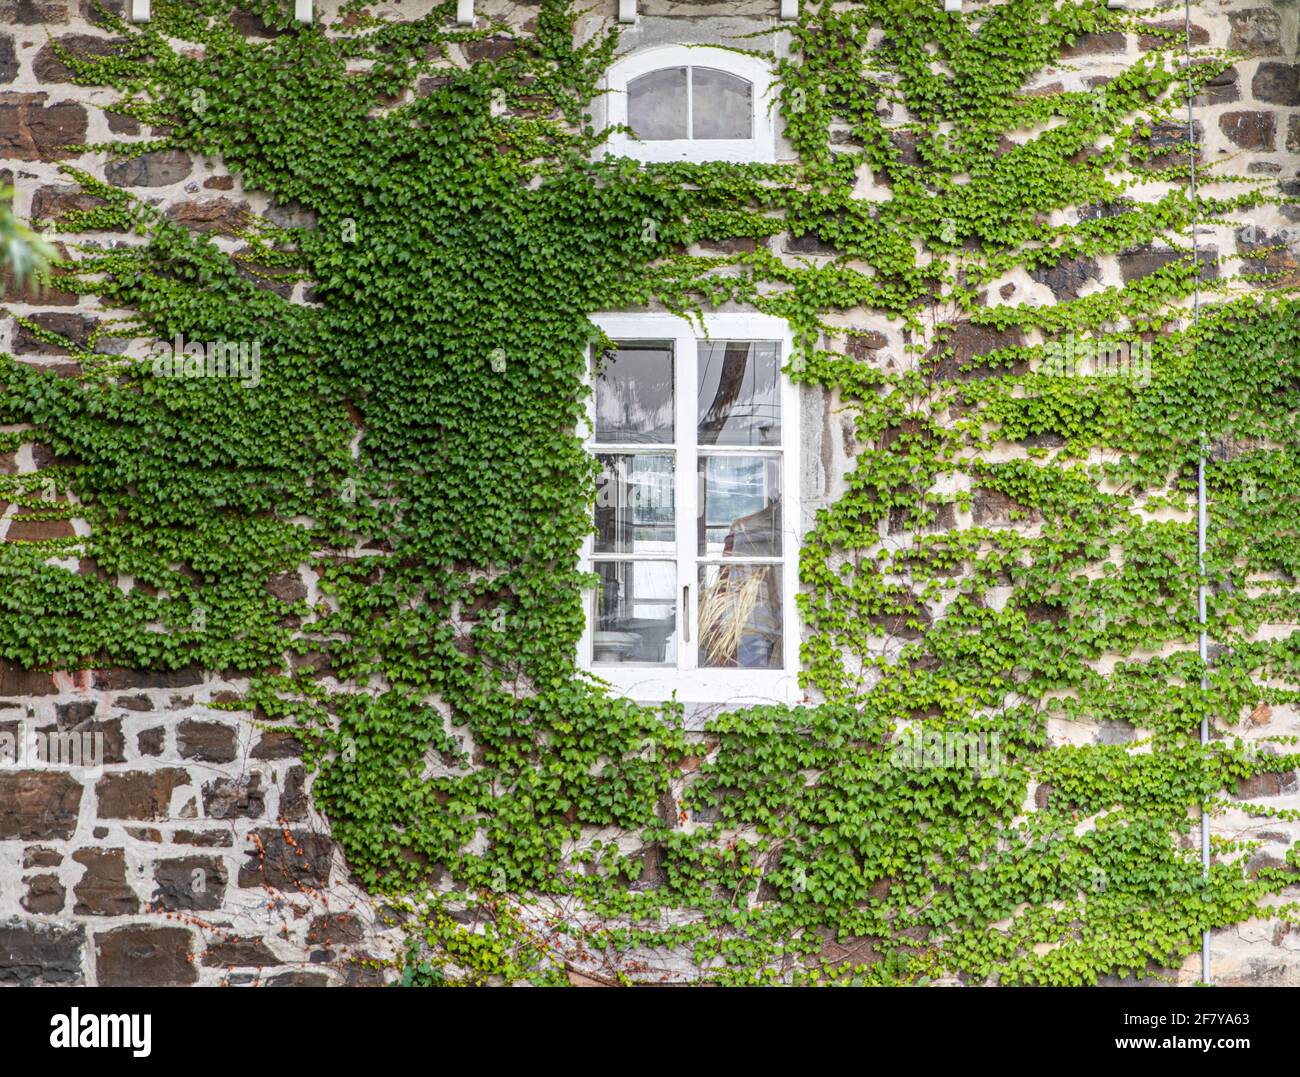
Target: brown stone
(1094, 44)
(24, 529)
(336, 929)
(808, 243)
(239, 952)
(1168, 143)
(1148, 42)
(151, 741)
(16, 681)
(1223, 89)
(8, 58)
(733, 245)
(276, 744)
(287, 587)
(48, 67)
(944, 518)
(283, 866)
(139, 794)
(992, 508)
(235, 798)
(1269, 783)
(969, 341)
(38, 805)
(33, 12)
(45, 895)
(1257, 31)
(1142, 262)
(209, 838)
(122, 125)
(1277, 84)
(159, 168)
(135, 703)
(1067, 277)
(141, 956)
(102, 889)
(39, 954)
(96, 742)
(219, 183)
(113, 680)
(90, 9)
(211, 215)
(31, 130)
(38, 856)
(190, 883)
(293, 801)
(75, 327)
(208, 742)
(299, 979)
(1250, 130)
(864, 345)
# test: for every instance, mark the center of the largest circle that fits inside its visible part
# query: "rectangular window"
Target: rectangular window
(693, 544)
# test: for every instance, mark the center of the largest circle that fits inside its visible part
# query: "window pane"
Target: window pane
(739, 397)
(634, 393)
(740, 616)
(634, 504)
(656, 104)
(636, 613)
(740, 506)
(722, 105)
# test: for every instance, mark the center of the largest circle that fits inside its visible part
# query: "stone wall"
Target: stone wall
(192, 855)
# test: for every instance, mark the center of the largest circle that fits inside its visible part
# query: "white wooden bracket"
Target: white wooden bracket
(952, 5)
(789, 9)
(464, 12)
(139, 10)
(302, 10)
(627, 10)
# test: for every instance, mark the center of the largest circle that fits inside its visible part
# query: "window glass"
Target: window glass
(722, 105)
(739, 506)
(740, 616)
(656, 104)
(635, 504)
(634, 394)
(739, 393)
(636, 613)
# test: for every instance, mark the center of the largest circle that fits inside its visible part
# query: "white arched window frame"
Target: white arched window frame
(760, 147)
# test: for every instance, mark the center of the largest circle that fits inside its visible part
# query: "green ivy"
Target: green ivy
(466, 225)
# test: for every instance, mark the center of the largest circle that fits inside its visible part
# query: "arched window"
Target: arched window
(692, 103)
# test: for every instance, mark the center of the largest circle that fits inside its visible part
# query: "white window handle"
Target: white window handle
(302, 10)
(686, 612)
(789, 9)
(465, 12)
(627, 10)
(139, 10)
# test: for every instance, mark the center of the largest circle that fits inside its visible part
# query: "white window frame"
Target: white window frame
(685, 681)
(760, 148)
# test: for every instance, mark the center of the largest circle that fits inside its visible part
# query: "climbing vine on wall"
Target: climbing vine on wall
(464, 225)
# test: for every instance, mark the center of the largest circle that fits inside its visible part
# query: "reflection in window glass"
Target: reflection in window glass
(634, 394)
(636, 613)
(740, 506)
(722, 105)
(740, 616)
(634, 504)
(656, 105)
(739, 393)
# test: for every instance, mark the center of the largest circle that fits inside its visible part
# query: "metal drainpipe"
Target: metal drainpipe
(1201, 514)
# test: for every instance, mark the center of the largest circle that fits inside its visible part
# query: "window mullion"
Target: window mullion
(686, 494)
